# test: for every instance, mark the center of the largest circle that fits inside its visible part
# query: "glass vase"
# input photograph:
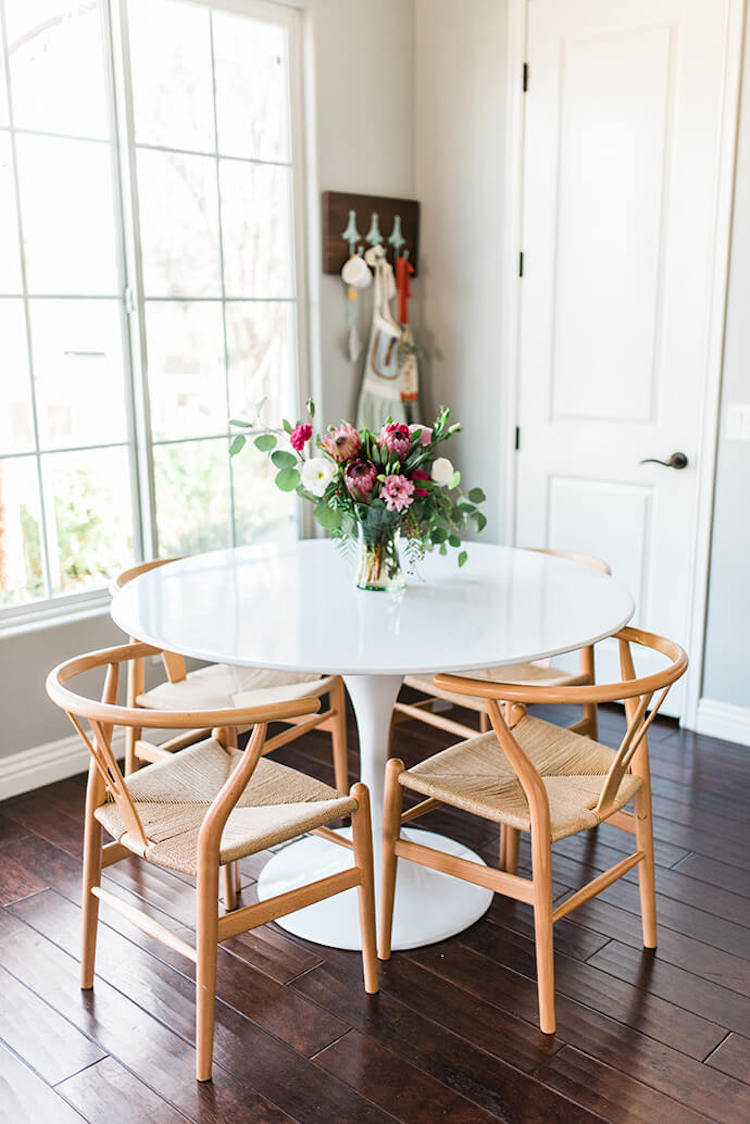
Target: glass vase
(378, 563)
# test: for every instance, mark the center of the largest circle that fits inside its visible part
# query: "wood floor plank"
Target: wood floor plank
(644, 1059)
(161, 1058)
(17, 879)
(25, 1097)
(398, 1087)
(41, 1037)
(716, 873)
(49, 822)
(9, 829)
(733, 1057)
(643, 969)
(166, 987)
(615, 1096)
(106, 1092)
(274, 1069)
(617, 998)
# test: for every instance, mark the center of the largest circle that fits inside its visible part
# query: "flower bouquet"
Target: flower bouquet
(378, 488)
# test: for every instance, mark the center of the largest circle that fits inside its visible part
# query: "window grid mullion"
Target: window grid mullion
(232, 515)
(44, 543)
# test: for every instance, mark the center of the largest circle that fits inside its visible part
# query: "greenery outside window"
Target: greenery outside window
(148, 284)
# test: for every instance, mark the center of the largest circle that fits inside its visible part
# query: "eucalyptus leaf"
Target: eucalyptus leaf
(476, 495)
(265, 442)
(240, 424)
(282, 459)
(328, 517)
(287, 425)
(310, 407)
(287, 480)
(238, 444)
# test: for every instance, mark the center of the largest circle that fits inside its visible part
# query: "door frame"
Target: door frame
(711, 394)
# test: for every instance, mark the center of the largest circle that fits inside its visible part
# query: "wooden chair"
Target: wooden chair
(220, 686)
(539, 673)
(543, 779)
(197, 811)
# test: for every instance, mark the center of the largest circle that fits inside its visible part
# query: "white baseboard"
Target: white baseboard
(44, 764)
(722, 720)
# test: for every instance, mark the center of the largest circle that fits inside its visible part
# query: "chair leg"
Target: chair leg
(229, 886)
(484, 722)
(338, 736)
(131, 759)
(391, 832)
(362, 839)
(92, 876)
(205, 976)
(646, 871)
(509, 839)
(237, 877)
(543, 933)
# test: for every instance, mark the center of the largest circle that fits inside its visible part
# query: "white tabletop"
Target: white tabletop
(294, 607)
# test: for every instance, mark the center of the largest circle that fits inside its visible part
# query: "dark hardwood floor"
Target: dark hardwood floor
(452, 1036)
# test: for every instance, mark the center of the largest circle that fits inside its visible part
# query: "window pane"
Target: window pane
(170, 50)
(3, 90)
(192, 496)
(179, 225)
(260, 343)
(10, 258)
(252, 87)
(262, 512)
(68, 216)
(77, 350)
(57, 66)
(186, 371)
(21, 572)
(256, 218)
(16, 423)
(90, 537)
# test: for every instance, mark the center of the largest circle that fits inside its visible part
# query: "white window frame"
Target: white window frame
(48, 611)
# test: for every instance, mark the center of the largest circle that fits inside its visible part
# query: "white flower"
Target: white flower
(442, 471)
(317, 474)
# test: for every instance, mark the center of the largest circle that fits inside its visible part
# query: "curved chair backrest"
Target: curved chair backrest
(104, 714)
(636, 693)
(572, 556)
(174, 665)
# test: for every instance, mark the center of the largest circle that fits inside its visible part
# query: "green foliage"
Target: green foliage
(265, 442)
(282, 459)
(238, 444)
(287, 480)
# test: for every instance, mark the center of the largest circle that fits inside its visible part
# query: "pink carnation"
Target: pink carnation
(396, 438)
(423, 432)
(343, 444)
(360, 478)
(299, 436)
(398, 493)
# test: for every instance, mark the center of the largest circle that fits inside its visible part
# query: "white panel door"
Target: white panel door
(622, 132)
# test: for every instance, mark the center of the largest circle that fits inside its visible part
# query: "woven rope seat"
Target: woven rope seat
(475, 775)
(524, 674)
(173, 796)
(221, 686)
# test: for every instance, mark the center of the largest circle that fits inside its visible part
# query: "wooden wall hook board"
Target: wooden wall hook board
(336, 206)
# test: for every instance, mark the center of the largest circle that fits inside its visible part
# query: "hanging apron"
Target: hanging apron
(380, 397)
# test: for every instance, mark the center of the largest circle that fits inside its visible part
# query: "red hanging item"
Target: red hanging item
(404, 270)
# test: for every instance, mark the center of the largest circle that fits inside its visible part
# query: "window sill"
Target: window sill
(54, 613)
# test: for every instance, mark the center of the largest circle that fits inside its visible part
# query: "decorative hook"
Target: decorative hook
(373, 236)
(396, 239)
(351, 234)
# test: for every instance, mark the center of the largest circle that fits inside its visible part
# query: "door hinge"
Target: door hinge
(520, 264)
(525, 77)
(128, 301)
(518, 437)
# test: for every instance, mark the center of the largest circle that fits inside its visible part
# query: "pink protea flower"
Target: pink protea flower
(299, 436)
(360, 478)
(419, 474)
(423, 432)
(398, 493)
(343, 443)
(396, 438)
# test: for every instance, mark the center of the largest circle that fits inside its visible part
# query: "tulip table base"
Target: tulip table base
(429, 906)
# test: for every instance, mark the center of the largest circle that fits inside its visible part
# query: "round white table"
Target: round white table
(294, 607)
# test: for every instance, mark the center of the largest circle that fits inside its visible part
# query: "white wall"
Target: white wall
(726, 673)
(363, 105)
(460, 128)
(360, 58)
